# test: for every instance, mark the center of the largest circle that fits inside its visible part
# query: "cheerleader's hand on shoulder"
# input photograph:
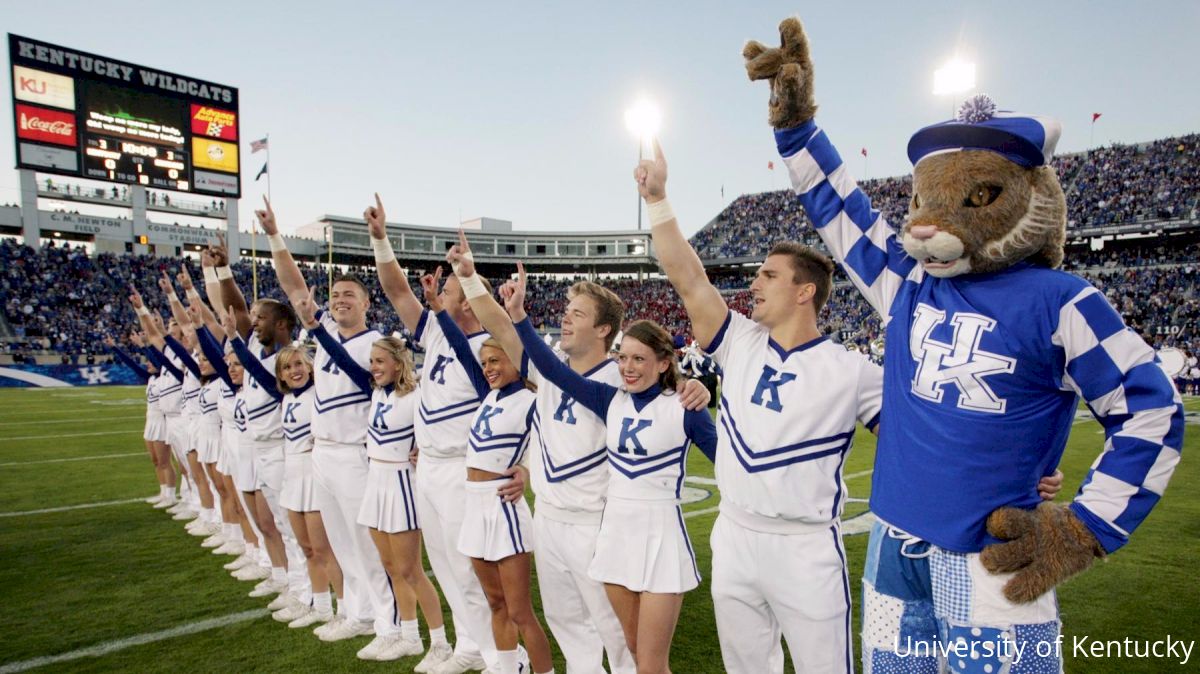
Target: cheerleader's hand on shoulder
(693, 396)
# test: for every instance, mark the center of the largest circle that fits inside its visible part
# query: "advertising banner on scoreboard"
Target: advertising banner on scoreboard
(122, 122)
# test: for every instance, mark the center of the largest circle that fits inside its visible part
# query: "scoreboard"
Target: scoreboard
(89, 116)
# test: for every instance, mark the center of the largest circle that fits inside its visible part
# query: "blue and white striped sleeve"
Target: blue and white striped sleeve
(858, 236)
(1119, 377)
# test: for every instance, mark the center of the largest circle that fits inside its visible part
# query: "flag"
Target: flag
(864, 152)
(261, 172)
(256, 145)
(770, 166)
(1095, 116)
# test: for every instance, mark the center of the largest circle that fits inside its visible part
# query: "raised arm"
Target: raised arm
(306, 311)
(391, 277)
(212, 285)
(454, 335)
(215, 354)
(491, 315)
(705, 307)
(126, 360)
(595, 395)
(290, 278)
(177, 311)
(230, 296)
(184, 357)
(254, 367)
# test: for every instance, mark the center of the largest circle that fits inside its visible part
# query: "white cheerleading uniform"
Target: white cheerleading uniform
(229, 432)
(492, 527)
(170, 401)
(339, 425)
(568, 469)
(448, 402)
(643, 544)
(155, 430)
(297, 411)
(786, 424)
(390, 501)
(208, 423)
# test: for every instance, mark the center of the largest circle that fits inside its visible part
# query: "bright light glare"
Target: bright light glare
(954, 78)
(643, 120)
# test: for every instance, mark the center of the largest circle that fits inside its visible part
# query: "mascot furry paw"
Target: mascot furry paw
(989, 349)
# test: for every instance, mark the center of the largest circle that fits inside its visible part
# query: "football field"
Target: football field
(96, 580)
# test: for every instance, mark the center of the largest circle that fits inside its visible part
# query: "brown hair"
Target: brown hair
(610, 310)
(406, 376)
(659, 340)
(808, 266)
(281, 360)
(351, 278)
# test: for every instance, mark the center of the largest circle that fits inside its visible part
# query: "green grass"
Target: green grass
(81, 578)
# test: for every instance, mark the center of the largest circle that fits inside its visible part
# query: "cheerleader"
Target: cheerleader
(154, 416)
(497, 535)
(643, 553)
(294, 374)
(388, 508)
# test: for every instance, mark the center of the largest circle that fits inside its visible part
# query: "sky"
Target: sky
(458, 110)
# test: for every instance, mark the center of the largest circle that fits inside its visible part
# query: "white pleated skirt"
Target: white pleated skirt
(390, 500)
(492, 528)
(644, 547)
(298, 486)
(156, 425)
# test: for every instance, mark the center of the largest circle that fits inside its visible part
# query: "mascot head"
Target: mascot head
(984, 194)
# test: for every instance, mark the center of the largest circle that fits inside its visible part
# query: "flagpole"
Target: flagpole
(1092, 135)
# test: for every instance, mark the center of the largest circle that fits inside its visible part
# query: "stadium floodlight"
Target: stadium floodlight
(955, 77)
(643, 120)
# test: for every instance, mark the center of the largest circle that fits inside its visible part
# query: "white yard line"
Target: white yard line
(139, 640)
(131, 431)
(77, 458)
(861, 473)
(81, 506)
(69, 421)
(695, 513)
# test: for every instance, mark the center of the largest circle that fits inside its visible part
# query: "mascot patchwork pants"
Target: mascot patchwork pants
(931, 610)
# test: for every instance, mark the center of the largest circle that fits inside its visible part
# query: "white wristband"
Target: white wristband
(192, 292)
(456, 266)
(210, 275)
(383, 250)
(473, 287)
(659, 212)
(224, 273)
(276, 241)
(143, 311)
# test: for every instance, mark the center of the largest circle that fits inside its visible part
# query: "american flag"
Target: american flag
(256, 145)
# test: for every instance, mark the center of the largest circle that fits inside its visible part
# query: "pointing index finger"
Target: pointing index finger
(658, 152)
(378, 202)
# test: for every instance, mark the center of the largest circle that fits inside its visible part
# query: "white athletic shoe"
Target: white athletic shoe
(400, 648)
(232, 547)
(292, 611)
(348, 629)
(311, 618)
(284, 600)
(164, 502)
(186, 514)
(460, 664)
(436, 655)
(377, 646)
(176, 505)
(214, 541)
(242, 560)
(269, 587)
(252, 571)
(334, 621)
(154, 499)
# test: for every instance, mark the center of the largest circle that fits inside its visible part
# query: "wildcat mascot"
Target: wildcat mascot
(990, 348)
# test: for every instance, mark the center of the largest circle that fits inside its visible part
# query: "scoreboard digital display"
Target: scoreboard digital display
(89, 116)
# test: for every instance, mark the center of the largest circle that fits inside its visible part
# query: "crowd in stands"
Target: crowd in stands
(1111, 185)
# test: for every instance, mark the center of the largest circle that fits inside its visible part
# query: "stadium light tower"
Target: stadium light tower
(955, 78)
(643, 120)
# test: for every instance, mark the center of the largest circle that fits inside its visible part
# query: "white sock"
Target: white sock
(279, 574)
(208, 515)
(231, 531)
(164, 491)
(322, 602)
(341, 609)
(437, 636)
(507, 661)
(251, 551)
(409, 630)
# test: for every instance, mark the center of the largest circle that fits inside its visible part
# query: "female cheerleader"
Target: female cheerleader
(497, 535)
(643, 554)
(389, 503)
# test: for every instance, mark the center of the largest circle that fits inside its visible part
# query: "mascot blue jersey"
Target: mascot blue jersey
(982, 374)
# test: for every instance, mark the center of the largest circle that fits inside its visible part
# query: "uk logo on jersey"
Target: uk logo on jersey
(378, 422)
(767, 391)
(566, 410)
(438, 371)
(483, 423)
(960, 363)
(629, 436)
(289, 412)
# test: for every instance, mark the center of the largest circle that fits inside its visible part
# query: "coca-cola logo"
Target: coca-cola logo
(60, 127)
(45, 125)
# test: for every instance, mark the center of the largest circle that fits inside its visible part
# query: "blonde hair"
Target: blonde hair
(281, 360)
(495, 344)
(406, 375)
